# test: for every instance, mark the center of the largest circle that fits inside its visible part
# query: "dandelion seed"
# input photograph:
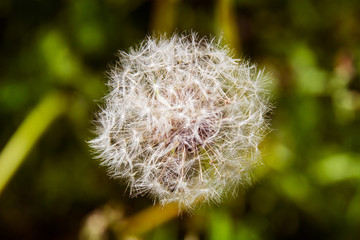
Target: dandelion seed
(182, 121)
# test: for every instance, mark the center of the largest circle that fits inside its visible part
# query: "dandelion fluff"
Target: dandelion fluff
(182, 121)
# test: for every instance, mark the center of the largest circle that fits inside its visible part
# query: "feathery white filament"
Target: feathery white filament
(182, 121)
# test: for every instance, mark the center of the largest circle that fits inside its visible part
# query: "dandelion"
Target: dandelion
(182, 121)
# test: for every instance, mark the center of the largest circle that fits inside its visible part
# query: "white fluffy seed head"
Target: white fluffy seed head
(182, 121)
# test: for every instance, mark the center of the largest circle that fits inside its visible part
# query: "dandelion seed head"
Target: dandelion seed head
(182, 121)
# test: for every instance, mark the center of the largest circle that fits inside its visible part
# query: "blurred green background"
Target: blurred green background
(53, 61)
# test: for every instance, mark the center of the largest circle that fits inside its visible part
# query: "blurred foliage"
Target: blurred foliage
(309, 185)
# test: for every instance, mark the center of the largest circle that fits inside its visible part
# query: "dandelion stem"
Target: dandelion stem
(163, 15)
(147, 219)
(29, 132)
(226, 23)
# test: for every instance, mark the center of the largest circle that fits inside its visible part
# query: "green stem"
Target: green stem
(163, 16)
(29, 132)
(226, 23)
(146, 220)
